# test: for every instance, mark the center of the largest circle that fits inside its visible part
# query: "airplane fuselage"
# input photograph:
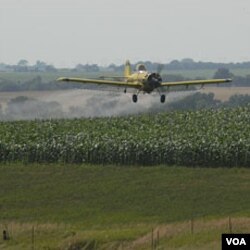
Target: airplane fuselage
(148, 81)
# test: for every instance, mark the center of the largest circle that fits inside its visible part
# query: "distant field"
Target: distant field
(46, 76)
(61, 206)
(204, 73)
(223, 94)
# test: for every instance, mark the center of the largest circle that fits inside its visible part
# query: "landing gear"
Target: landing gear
(163, 98)
(134, 98)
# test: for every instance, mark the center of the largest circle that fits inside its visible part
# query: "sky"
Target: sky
(67, 32)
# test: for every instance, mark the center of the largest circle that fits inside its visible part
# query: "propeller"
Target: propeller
(154, 79)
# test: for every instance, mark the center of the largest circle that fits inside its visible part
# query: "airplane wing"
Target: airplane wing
(195, 82)
(101, 82)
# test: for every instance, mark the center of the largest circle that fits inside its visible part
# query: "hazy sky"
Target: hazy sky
(68, 32)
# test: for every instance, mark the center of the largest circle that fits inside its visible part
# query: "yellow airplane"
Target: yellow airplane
(142, 81)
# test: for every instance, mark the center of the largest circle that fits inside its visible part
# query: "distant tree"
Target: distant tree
(50, 68)
(196, 102)
(223, 73)
(40, 66)
(23, 63)
(238, 100)
(86, 68)
(188, 63)
(21, 66)
(112, 67)
(79, 67)
(175, 64)
(19, 99)
(92, 68)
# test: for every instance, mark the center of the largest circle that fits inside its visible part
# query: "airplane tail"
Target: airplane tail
(127, 69)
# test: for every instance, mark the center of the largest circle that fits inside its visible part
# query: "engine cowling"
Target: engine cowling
(154, 80)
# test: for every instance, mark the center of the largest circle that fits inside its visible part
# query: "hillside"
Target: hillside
(69, 205)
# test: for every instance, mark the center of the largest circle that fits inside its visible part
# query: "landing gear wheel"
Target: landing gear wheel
(134, 98)
(163, 98)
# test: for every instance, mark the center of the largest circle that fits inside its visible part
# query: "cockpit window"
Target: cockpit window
(141, 67)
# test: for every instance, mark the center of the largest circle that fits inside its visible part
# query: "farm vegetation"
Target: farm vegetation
(216, 136)
(195, 138)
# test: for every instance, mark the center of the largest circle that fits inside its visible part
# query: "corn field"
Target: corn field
(200, 138)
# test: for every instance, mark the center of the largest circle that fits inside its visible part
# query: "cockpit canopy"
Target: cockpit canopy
(140, 67)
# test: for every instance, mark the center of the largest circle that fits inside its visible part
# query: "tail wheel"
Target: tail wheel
(134, 98)
(163, 98)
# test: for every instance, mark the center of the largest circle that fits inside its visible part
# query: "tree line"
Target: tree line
(185, 64)
(40, 83)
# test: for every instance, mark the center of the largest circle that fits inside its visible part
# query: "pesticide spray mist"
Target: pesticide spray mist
(79, 103)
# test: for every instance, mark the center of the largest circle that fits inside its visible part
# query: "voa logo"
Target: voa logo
(236, 241)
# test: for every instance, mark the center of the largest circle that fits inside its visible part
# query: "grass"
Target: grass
(205, 234)
(107, 207)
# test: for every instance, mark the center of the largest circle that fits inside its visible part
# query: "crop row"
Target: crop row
(200, 138)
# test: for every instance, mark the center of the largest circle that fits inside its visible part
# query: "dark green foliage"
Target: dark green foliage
(223, 73)
(237, 100)
(200, 138)
(196, 102)
(200, 101)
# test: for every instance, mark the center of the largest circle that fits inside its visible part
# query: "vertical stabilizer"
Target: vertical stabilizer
(127, 69)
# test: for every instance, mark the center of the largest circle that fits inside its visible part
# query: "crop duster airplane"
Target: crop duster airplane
(142, 81)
